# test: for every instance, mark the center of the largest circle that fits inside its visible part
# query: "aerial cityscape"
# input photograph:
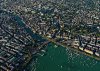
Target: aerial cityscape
(49, 35)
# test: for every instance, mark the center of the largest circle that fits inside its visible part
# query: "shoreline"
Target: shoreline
(84, 52)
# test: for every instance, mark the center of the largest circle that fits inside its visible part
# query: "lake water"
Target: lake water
(63, 59)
